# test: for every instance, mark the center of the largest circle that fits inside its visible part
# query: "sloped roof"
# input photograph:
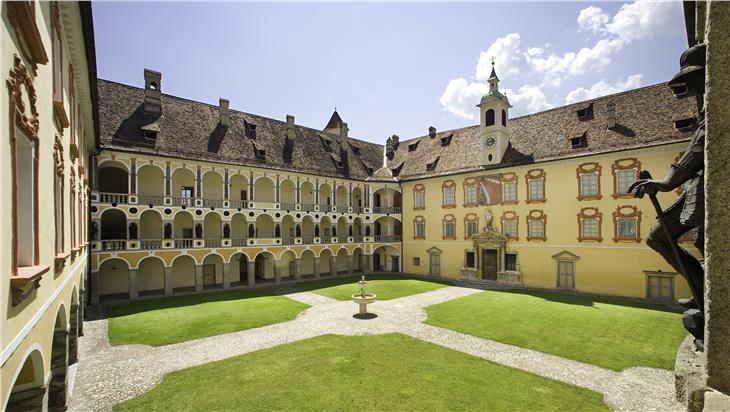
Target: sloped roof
(644, 117)
(335, 122)
(191, 130)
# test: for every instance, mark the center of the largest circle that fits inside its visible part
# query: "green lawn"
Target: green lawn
(377, 372)
(175, 319)
(385, 286)
(610, 333)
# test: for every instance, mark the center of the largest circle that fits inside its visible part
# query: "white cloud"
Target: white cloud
(534, 51)
(461, 96)
(602, 88)
(645, 19)
(527, 99)
(507, 56)
(592, 19)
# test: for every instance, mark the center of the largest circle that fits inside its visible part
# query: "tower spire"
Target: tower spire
(493, 79)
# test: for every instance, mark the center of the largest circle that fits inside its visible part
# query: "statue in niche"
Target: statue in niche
(488, 218)
(198, 231)
(168, 230)
(687, 212)
(226, 231)
(94, 230)
(133, 230)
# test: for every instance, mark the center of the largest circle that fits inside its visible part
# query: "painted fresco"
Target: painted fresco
(489, 190)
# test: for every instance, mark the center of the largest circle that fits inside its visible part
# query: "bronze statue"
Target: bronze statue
(687, 212)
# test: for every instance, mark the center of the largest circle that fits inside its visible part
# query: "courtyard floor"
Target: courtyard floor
(107, 375)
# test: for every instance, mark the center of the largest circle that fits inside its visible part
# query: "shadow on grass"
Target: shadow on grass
(582, 299)
(124, 309)
(326, 283)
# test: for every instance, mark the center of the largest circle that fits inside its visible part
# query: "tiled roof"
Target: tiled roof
(644, 117)
(191, 130)
(335, 121)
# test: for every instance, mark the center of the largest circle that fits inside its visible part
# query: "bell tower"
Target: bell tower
(493, 123)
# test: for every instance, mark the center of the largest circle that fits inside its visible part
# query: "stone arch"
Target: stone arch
(183, 177)
(183, 224)
(325, 194)
(307, 194)
(114, 278)
(357, 260)
(239, 190)
(183, 273)
(287, 264)
(238, 229)
(212, 185)
(150, 182)
(288, 192)
(58, 386)
(151, 276)
(212, 270)
(386, 258)
(288, 229)
(342, 229)
(325, 261)
(113, 225)
(238, 268)
(113, 177)
(307, 259)
(73, 320)
(27, 391)
(212, 226)
(358, 200)
(343, 257)
(264, 266)
(307, 227)
(264, 226)
(150, 224)
(341, 196)
(264, 189)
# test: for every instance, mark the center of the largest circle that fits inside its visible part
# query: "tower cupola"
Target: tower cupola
(493, 122)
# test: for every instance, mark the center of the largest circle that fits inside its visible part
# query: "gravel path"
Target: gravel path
(107, 375)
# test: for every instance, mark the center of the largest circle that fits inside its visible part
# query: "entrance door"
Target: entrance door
(566, 274)
(186, 193)
(396, 263)
(208, 275)
(434, 267)
(489, 264)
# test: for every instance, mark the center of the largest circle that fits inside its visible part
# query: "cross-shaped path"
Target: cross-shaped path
(108, 375)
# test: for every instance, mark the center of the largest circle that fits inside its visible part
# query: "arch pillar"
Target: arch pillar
(133, 287)
(35, 399)
(226, 275)
(277, 271)
(298, 264)
(94, 287)
(350, 265)
(316, 267)
(333, 265)
(251, 273)
(168, 281)
(198, 278)
(59, 367)
(73, 344)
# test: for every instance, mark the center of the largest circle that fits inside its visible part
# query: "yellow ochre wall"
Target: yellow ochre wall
(605, 267)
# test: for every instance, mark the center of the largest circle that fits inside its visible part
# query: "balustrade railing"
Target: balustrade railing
(183, 201)
(105, 197)
(150, 244)
(238, 242)
(342, 209)
(151, 200)
(213, 202)
(287, 241)
(184, 243)
(238, 204)
(212, 242)
(357, 209)
(287, 206)
(358, 239)
(387, 238)
(307, 240)
(386, 209)
(326, 239)
(307, 207)
(114, 244)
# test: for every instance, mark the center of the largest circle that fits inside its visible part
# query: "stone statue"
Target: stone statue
(687, 212)
(226, 230)
(94, 230)
(168, 230)
(198, 231)
(488, 218)
(133, 230)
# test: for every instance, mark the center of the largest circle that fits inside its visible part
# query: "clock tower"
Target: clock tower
(493, 123)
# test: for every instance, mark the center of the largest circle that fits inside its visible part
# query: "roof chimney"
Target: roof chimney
(344, 136)
(431, 132)
(290, 127)
(152, 91)
(223, 112)
(611, 114)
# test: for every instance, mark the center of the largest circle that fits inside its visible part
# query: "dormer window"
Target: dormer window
(578, 142)
(369, 170)
(413, 146)
(355, 149)
(396, 171)
(445, 141)
(150, 135)
(250, 130)
(585, 113)
(432, 166)
(686, 125)
(261, 154)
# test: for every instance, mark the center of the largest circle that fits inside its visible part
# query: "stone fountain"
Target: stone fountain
(363, 298)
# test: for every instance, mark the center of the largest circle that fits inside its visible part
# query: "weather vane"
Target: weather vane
(493, 60)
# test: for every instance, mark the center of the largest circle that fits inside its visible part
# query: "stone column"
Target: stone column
(333, 265)
(226, 275)
(168, 281)
(277, 271)
(298, 263)
(364, 263)
(28, 400)
(73, 337)
(350, 266)
(251, 273)
(133, 287)
(316, 267)
(94, 287)
(717, 222)
(59, 367)
(370, 262)
(198, 278)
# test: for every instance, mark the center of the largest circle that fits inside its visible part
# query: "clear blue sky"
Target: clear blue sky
(390, 68)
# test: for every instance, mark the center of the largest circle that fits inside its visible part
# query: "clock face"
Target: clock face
(489, 141)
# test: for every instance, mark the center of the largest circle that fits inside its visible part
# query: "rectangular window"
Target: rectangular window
(419, 199)
(660, 287)
(509, 191)
(470, 195)
(624, 179)
(535, 191)
(536, 228)
(589, 185)
(589, 229)
(58, 186)
(510, 262)
(73, 218)
(449, 196)
(25, 199)
(471, 229)
(450, 230)
(626, 228)
(57, 57)
(471, 260)
(416, 261)
(420, 230)
(509, 228)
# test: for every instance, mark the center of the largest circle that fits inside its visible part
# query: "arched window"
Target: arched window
(504, 118)
(489, 120)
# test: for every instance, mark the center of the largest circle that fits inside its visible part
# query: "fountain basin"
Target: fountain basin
(363, 300)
